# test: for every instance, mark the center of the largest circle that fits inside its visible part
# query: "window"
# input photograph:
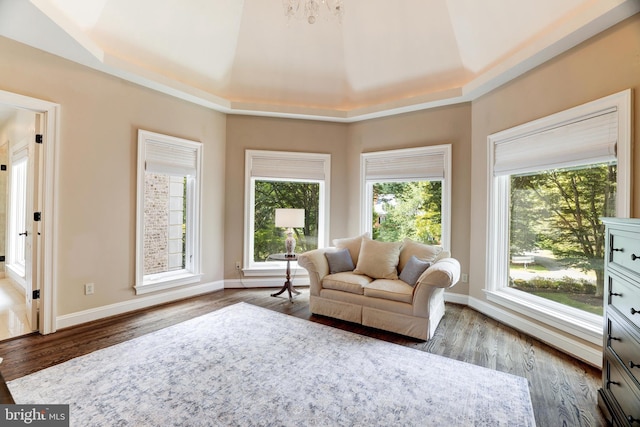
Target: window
(406, 193)
(274, 180)
(17, 216)
(551, 181)
(168, 212)
(556, 238)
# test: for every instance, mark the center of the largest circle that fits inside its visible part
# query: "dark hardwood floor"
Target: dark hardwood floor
(563, 390)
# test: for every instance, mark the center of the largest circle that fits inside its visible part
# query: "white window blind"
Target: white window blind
(170, 159)
(409, 166)
(586, 140)
(290, 165)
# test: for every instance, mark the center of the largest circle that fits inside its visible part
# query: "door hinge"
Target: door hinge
(38, 138)
(36, 294)
(37, 216)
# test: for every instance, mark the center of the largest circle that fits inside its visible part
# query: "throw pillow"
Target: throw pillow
(419, 250)
(339, 261)
(413, 270)
(352, 244)
(378, 260)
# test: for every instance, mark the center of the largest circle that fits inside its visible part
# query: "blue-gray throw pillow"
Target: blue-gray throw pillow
(413, 269)
(339, 261)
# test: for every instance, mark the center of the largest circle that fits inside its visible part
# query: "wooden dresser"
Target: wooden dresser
(619, 397)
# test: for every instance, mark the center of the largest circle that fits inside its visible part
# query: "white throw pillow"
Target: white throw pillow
(378, 260)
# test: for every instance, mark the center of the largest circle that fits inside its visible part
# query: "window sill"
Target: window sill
(578, 323)
(167, 282)
(278, 269)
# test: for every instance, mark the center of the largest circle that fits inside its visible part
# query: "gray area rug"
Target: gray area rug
(248, 366)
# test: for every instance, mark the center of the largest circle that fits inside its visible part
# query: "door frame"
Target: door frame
(46, 271)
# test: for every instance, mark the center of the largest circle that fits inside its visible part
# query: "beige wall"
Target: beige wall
(606, 64)
(100, 117)
(345, 143)
(263, 133)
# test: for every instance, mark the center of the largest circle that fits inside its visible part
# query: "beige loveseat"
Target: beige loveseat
(382, 285)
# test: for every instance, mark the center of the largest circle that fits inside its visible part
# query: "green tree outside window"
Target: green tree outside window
(270, 195)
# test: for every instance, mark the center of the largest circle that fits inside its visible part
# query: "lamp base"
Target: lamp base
(290, 243)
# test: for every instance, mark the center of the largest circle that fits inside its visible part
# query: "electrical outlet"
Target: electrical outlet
(88, 288)
(238, 265)
(465, 278)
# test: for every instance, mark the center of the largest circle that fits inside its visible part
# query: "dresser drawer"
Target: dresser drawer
(625, 297)
(625, 346)
(624, 251)
(624, 393)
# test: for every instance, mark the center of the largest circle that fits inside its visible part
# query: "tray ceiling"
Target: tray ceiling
(246, 57)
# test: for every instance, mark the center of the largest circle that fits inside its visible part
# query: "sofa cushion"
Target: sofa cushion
(346, 282)
(339, 261)
(394, 290)
(378, 260)
(413, 270)
(352, 244)
(420, 250)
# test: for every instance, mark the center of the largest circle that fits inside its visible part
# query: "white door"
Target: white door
(42, 254)
(32, 228)
(23, 232)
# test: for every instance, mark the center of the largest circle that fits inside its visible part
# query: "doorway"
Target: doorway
(19, 171)
(27, 152)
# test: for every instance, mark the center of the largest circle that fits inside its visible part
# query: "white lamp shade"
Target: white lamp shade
(290, 218)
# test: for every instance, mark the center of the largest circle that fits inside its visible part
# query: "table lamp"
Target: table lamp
(290, 218)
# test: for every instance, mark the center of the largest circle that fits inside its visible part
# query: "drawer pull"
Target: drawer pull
(609, 382)
(610, 338)
(634, 257)
(633, 365)
(615, 294)
(633, 420)
(617, 249)
(634, 311)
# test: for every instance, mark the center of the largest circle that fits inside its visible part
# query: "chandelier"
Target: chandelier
(310, 9)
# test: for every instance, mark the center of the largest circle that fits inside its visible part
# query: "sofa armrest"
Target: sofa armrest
(317, 265)
(443, 274)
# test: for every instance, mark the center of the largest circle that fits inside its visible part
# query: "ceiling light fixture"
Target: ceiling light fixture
(310, 9)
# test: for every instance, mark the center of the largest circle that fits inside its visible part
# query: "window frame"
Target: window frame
(442, 156)
(282, 158)
(191, 273)
(579, 323)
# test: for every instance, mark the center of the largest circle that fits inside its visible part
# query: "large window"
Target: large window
(551, 182)
(406, 193)
(168, 217)
(275, 180)
(556, 238)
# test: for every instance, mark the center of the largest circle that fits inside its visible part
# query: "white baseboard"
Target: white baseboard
(561, 342)
(456, 298)
(138, 303)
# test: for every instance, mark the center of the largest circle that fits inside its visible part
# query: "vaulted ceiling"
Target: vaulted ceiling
(245, 56)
